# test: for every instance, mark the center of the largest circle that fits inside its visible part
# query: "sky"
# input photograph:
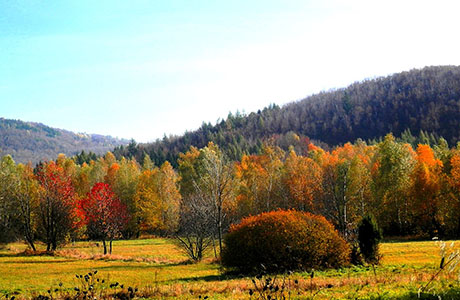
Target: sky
(144, 69)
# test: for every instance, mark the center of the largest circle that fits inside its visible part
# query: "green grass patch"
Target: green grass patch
(159, 269)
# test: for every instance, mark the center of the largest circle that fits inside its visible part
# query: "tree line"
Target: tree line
(410, 191)
(418, 100)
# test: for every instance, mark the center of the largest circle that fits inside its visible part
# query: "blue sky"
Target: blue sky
(142, 69)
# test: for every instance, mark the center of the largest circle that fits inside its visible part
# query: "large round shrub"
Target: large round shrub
(284, 240)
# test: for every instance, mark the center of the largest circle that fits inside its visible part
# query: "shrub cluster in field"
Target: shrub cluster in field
(284, 240)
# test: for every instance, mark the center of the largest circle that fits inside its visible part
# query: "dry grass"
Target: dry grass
(159, 269)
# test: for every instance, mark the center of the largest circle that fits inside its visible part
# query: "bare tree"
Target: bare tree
(195, 233)
(215, 186)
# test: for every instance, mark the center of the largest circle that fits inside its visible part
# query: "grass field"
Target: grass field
(161, 271)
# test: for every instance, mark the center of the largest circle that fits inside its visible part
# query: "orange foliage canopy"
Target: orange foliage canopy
(284, 240)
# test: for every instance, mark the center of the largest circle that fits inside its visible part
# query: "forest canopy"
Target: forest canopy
(425, 100)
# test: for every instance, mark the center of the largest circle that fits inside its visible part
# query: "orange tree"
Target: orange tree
(283, 240)
(56, 205)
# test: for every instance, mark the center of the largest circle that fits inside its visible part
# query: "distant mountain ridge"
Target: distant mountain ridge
(32, 142)
(425, 99)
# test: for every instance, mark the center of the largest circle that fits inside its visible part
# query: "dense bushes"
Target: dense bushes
(283, 240)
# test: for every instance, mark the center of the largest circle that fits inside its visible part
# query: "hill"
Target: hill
(425, 99)
(32, 142)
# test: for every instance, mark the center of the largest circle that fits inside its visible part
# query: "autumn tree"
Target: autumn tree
(425, 191)
(168, 190)
(361, 180)
(215, 185)
(122, 177)
(250, 174)
(393, 164)
(148, 202)
(335, 203)
(147, 163)
(56, 205)
(260, 186)
(8, 210)
(302, 177)
(68, 165)
(26, 200)
(97, 171)
(346, 181)
(103, 214)
(452, 207)
(158, 199)
(82, 180)
(189, 171)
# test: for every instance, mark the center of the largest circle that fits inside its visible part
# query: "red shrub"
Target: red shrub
(284, 240)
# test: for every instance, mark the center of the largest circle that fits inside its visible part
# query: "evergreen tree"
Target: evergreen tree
(369, 236)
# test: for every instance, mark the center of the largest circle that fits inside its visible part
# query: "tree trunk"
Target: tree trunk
(105, 247)
(214, 246)
(219, 228)
(110, 248)
(31, 243)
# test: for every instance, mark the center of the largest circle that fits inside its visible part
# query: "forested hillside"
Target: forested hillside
(32, 142)
(426, 99)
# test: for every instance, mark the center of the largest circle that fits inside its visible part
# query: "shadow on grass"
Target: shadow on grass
(39, 262)
(32, 254)
(8, 255)
(152, 266)
(209, 278)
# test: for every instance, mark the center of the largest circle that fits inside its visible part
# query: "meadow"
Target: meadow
(160, 271)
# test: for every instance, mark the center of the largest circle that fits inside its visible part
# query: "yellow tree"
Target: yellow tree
(302, 178)
(157, 199)
(148, 202)
(8, 209)
(82, 182)
(26, 200)
(97, 172)
(123, 178)
(206, 185)
(260, 181)
(250, 177)
(168, 189)
(360, 180)
(188, 170)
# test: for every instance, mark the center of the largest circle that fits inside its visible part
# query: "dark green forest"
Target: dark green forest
(424, 102)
